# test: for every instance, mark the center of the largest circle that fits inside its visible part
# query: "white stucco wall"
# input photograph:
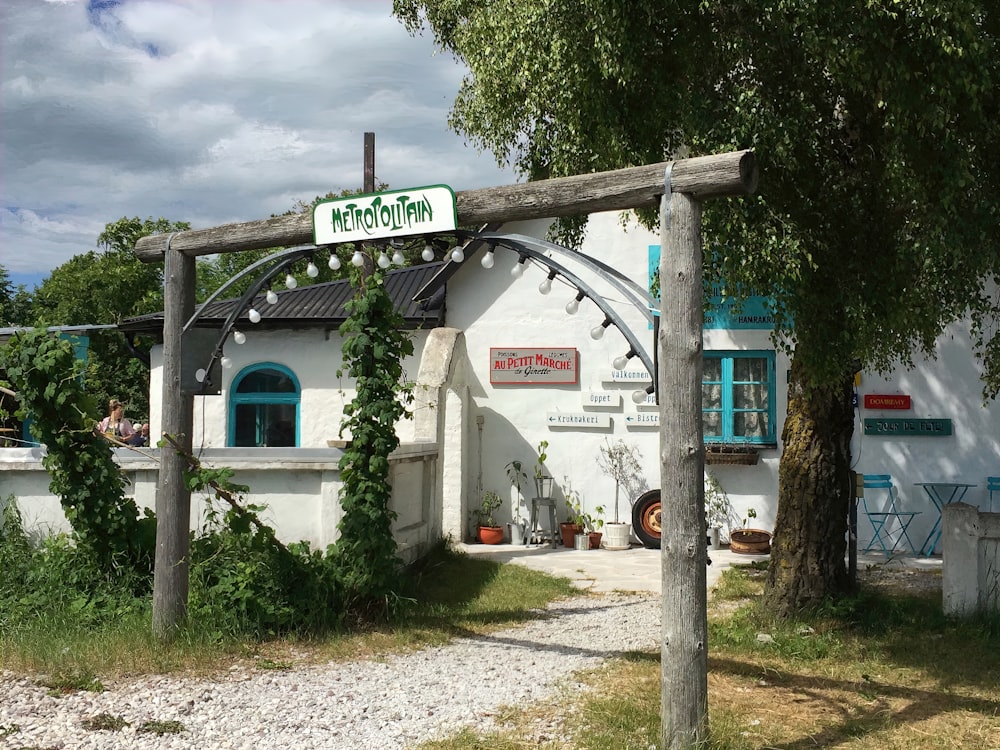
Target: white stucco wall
(314, 356)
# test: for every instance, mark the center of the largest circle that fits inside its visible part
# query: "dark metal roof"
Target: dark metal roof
(319, 305)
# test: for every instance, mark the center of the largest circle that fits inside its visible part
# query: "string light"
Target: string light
(518, 270)
(397, 257)
(311, 271)
(428, 253)
(239, 337)
(357, 259)
(574, 304)
(290, 281)
(334, 262)
(639, 397)
(597, 332)
(226, 363)
(458, 254)
(383, 260)
(621, 362)
(272, 298)
(254, 316)
(200, 374)
(487, 261)
(546, 286)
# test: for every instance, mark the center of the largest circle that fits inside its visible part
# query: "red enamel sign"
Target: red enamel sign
(887, 401)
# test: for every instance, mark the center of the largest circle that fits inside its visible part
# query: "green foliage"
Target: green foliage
(375, 344)
(82, 470)
(105, 287)
(875, 131)
(483, 515)
(15, 304)
(58, 580)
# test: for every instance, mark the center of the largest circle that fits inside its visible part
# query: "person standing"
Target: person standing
(116, 426)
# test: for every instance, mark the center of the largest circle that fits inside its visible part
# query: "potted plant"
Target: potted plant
(717, 509)
(487, 529)
(543, 482)
(747, 541)
(620, 461)
(573, 525)
(584, 527)
(518, 478)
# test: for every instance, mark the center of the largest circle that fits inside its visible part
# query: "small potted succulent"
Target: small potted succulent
(747, 541)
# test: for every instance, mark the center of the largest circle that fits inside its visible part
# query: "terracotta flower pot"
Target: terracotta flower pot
(568, 531)
(750, 541)
(595, 539)
(491, 534)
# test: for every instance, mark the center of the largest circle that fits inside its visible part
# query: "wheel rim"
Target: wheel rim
(651, 519)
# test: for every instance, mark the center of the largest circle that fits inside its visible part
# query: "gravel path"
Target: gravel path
(395, 702)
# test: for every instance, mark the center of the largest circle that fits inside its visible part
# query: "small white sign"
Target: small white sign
(643, 419)
(581, 419)
(628, 376)
(602, 398)
(394, 213)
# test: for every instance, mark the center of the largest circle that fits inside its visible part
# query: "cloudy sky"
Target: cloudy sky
(209, 112)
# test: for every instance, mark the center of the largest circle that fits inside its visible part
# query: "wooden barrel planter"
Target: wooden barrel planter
(750, 541)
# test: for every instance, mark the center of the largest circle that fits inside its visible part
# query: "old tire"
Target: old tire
(646, 519)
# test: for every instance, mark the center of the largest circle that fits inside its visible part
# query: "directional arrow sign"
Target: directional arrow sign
(582, 419)
(643, 419)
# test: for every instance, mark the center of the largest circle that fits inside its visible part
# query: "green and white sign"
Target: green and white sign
(394, 213)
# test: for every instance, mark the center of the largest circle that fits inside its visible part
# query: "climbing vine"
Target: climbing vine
(375, 345)
(47, 377)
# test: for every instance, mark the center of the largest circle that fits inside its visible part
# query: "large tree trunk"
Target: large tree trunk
(814, 492)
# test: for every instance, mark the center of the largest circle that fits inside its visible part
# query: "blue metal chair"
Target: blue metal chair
(889, 524)
(993, 487)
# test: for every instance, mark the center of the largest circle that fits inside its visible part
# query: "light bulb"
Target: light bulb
(397, 258)
(334, 262)
(458, 255)
(546, 286)
(428, 253)
(518, 270)
(358, 259)
(383, 260)
(226, 363)
(311, 271)
(597, 333)
(254, 316)
(621, 362)
(572, 306)
(272, 298)
(239, 337)
(200, 374)
(290, 281)
(487, 261)
(638, 397)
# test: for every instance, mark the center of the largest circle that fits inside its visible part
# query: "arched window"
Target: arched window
(264, 407)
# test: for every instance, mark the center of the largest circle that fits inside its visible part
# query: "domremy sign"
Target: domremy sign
(393, 213)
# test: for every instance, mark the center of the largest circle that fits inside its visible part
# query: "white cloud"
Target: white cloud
(210, 113)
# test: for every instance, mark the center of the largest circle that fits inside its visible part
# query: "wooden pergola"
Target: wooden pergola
(678, 189)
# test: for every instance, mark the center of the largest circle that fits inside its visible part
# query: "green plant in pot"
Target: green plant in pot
(620, 461)
(718, 509)
(487, 529)
(750, 541)
(582, 523)
(518, 479)
(543, 482)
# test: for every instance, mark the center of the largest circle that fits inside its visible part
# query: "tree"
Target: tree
(104, 288)
(875, 222)
(15, 303)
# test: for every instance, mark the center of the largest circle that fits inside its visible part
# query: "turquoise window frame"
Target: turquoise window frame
(728, 410)
(262, 398)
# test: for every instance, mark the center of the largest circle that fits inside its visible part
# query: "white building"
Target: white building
(481, 414)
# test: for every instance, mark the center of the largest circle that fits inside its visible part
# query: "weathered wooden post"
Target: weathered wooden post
(173, 498)
(684, 646)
